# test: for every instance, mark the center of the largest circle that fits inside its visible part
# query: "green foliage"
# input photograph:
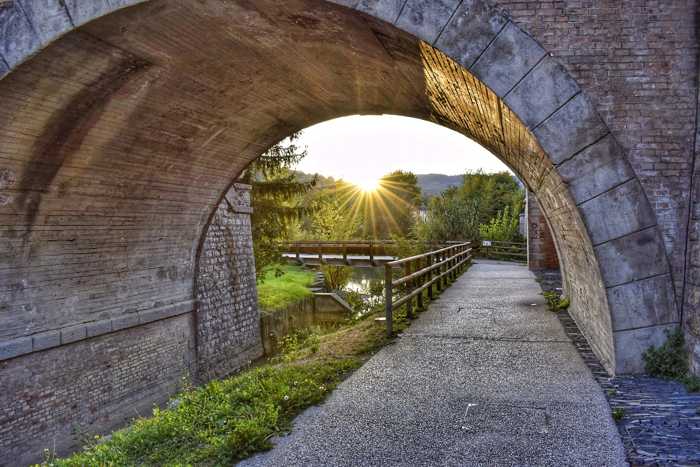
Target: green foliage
(492, 193)
(555, 302)
(299, 343)
(450, 216)
(281, 286)
(275, 199)
(336, 277)
(618, 413)
(692, 383)
(670, 361)
(329, 220)
(222, 422)
(485, 205)
(503, 227)
(404, 247)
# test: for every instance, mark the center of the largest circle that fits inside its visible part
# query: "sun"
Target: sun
(368, 184)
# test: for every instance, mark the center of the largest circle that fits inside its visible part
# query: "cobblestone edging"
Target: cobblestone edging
(661, 421)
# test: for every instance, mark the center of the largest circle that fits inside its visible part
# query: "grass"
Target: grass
(229, 420)
(282, 286)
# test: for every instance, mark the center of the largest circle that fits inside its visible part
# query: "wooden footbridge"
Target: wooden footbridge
(373, 253)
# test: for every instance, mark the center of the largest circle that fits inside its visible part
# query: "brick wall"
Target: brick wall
(228, 320)
(541, 251)
(53, 399)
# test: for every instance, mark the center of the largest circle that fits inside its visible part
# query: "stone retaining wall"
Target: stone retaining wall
(59, 386)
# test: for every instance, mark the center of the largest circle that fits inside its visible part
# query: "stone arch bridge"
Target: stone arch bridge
(126, 250)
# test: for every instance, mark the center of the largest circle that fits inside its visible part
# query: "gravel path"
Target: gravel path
(486, 376)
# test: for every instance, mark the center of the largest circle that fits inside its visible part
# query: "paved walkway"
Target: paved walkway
(486, 376)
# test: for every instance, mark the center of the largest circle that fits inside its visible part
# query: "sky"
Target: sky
(362, 148)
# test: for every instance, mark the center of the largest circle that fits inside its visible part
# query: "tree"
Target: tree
(450, 216)
(329, 220)
(492, 192)
(393, 208)
(275, 194)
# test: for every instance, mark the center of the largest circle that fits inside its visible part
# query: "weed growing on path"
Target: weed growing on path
(555, 302)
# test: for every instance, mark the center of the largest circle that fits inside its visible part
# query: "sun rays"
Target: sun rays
(377, 202)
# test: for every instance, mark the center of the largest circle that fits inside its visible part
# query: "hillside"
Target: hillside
(434, 184)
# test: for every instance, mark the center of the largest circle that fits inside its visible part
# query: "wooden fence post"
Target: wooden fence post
(388, 297)
(429, 261)
(409, 303)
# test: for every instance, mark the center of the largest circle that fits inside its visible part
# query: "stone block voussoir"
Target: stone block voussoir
(633, 257)
(631, 344)
(49, 18)
(426, 19)
(617, 212)
(570, 129)
(387, 10)
(346, 3)
(509, 57)
(596, 169)
(82, 12)
(4, 68)
(546, 88)
(470, 31)
(643, 303)
(17, 37)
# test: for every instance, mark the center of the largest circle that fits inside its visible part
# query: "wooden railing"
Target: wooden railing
(508, 251)
(421, 272)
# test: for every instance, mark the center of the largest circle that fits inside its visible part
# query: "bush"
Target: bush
(336, 277)
(503, 227)
(670, 361)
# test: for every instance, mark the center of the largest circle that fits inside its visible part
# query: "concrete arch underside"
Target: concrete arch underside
(122, 128)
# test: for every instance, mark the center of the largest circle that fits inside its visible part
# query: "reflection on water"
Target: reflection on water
(368, 285)
(366, 280)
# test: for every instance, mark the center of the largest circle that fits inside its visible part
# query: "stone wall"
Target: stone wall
(56, 398)
(541, 251)
(637, 61)
(228, 328)
(58, 387)
(691, 306)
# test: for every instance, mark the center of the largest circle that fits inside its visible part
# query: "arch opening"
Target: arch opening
(120, 139)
